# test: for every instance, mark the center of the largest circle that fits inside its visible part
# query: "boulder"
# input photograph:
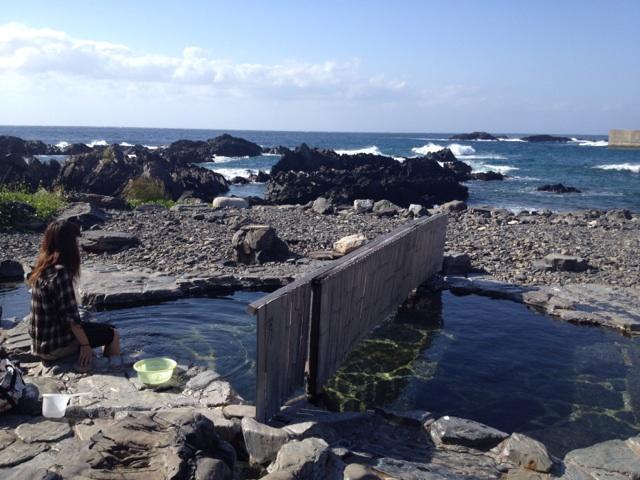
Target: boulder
(557, 188)
(613, 459)
(260, 177)
(229, 202)
(102, 201)
(363, 205)
(229, 146)
(525, 452)
(459, 431)
(473, 136)
(103, 241)
(258, 244)
(82, 213)
(11, 271)
(322, 206)
(305, 174)
(262, 441)
(29, 172)
(564, 263)
(385, 208)
(306, 459)
(43, 431)
(349, 243)
(455, 263)
(239, 181)
(416, 210)
(453, 206)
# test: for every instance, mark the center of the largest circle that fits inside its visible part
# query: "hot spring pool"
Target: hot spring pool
(494, 361)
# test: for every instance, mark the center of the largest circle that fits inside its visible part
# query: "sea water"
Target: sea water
(608, 178)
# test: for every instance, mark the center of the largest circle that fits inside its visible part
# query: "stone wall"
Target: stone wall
(624, 139)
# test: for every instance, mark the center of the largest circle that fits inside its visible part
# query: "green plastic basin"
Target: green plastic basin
(155, 371)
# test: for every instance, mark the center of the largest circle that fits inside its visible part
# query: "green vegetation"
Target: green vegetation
(145, 191)
(18, 206)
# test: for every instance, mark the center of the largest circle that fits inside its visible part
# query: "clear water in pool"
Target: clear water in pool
(493, 361)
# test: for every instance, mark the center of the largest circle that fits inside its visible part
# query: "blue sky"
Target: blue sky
(501, 66)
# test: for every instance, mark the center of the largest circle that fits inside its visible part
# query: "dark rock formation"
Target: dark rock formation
(558, 188)
(486, 176)
(546, 138)
(75, 149)
(258, 244)
(305, 174)
(22, 147)
(110, 172)
(277, 150)
(260, 177)
(28, 172)
(239, 181)
(198, 151)
(10, 271)
(474, 136)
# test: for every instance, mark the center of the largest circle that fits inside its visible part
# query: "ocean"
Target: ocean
(608, 178)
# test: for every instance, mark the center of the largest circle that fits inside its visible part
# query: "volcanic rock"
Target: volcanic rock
(102, 201)
(305, 174)
(486, 176)
(558, 188)
(82, 213)
(258, 244)
(199, 151)
(474, 136)
(546, 138)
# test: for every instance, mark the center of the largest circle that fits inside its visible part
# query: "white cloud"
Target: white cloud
(51, 53)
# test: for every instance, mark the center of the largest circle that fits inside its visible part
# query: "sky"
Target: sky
(360, 65)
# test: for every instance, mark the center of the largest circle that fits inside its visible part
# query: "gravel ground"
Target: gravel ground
(198, 239)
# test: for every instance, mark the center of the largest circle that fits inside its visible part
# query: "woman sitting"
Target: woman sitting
(56, 328)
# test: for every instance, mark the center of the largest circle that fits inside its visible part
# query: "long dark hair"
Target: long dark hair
(59, 247)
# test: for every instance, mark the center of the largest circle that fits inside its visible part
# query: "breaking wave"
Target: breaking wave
(593, 143)
(97, 143)
(480, 167)
(457, 149)
(126, 144)
(223, 159)
(511, 140)
(62, 144)
(629, 167)
(372, 150)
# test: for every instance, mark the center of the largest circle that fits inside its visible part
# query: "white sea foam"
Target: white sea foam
(230, 173)
(456, 149)
(481, 167)
(511, 140)
(372, 150)
(97, 143)
(630, 167)
(593, 143)
(151, 147)
(223, 159)
(125, 144)
(482, 157)
(62, 144)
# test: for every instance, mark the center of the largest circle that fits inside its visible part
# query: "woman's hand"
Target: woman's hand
(85, 356)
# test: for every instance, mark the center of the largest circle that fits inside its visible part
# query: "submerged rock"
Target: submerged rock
(546, 138)
(557, 188)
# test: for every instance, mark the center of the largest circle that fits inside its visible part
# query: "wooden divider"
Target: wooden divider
(317, 320)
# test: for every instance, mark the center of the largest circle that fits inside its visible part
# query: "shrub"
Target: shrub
(43, 205)
(143, 190)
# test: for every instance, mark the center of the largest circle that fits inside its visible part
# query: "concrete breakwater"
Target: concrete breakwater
(624, 139)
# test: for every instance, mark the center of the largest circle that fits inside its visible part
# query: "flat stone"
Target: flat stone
(202, 380)
(239, 411)
(613, 457)
(486, 285)
(219, 392)
(43, 431)
(84, 214)
(6, 438)
(103, 241)
(19, 452)
(262, 441)
(524, 452)
(459, 431)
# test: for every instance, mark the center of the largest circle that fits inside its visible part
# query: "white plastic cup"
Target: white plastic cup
(54, 405)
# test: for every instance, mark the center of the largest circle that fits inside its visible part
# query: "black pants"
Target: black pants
(99, 334)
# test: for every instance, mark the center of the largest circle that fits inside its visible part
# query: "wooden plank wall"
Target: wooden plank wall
(358, 294)
(352, 295)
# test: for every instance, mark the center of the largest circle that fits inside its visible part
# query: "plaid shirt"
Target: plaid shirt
(53, 310)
